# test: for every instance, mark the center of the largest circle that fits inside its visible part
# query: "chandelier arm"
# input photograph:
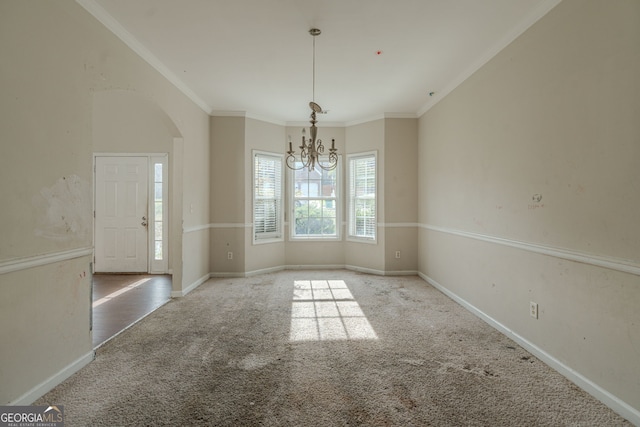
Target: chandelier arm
(332, 164)
(291, 162)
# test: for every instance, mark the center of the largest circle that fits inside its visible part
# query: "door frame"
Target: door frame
(153, 266)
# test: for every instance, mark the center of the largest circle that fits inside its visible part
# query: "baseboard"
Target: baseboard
(41, 389)
(222, 275)
(185, 291)
(616, 404)
(315, 267)
(400, 273)
(365, 270)
(264, 271)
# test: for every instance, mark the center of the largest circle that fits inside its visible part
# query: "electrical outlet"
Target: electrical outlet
(229, 255)
(533, 309)
(397, 254)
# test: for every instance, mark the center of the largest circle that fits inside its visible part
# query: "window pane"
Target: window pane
(158, 222)
(158, 250)
(302, 208)
(158, 211)
(315, 202)
(158, 230)
(328, 225)
(301, 225)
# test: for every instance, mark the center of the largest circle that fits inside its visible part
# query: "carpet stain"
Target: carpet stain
(221, 356)
(252, 362)
(413, 362)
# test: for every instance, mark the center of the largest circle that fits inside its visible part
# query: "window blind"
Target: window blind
(362, 196)
(267, 196)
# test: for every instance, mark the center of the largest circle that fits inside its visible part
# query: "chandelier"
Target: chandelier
(312, 149)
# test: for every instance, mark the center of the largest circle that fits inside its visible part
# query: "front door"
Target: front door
(121, 217)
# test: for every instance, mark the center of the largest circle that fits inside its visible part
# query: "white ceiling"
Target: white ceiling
(255, 56)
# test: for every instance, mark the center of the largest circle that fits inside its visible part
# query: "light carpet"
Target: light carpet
(320, 348)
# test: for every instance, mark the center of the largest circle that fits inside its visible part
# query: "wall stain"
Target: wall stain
(64, 210)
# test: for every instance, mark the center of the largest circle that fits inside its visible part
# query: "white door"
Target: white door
(121, 223)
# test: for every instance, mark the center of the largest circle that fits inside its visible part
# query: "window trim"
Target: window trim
(278, 235)
(349, 199)
(292, 209)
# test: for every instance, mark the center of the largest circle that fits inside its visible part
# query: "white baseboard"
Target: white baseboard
(264, 271)
(616, 404)
(365, 270)
(226, 275)
(315, 267)
(185, 291)
(400, 273)
(41, 389)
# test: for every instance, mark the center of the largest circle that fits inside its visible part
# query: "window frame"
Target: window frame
(268, 236)
(350, 208)
(158, 264)
(338, 203)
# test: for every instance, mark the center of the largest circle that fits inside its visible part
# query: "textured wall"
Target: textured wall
(531, 165)
(57, 59)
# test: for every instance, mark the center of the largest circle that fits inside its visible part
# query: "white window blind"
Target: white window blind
(267, 196)
(362, 196)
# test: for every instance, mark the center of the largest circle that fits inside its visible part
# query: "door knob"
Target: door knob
(144, 221)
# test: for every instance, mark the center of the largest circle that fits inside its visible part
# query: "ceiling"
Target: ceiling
(374, 57)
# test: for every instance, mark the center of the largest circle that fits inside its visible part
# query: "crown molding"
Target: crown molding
(225, 113)
(247, 115)
(114, 26)
(382, 116)
(265, 119)
(544, 8)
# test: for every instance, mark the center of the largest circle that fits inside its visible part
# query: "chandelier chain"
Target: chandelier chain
(312, 148)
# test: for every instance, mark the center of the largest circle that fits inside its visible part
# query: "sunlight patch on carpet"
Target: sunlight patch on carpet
(324, 310)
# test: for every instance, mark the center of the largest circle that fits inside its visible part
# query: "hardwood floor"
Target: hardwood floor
(120, 300)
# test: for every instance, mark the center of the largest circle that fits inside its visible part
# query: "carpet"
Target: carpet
(319, 348)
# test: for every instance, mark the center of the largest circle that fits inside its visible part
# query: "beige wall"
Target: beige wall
(401, 195)
(266, 137)
(59, 64)
(361, 138)
(228, 194)
(554, 115)
(233, 140)
(317, 253)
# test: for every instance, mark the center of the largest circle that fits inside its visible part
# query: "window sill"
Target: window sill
(365, 240)
(314, 239)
